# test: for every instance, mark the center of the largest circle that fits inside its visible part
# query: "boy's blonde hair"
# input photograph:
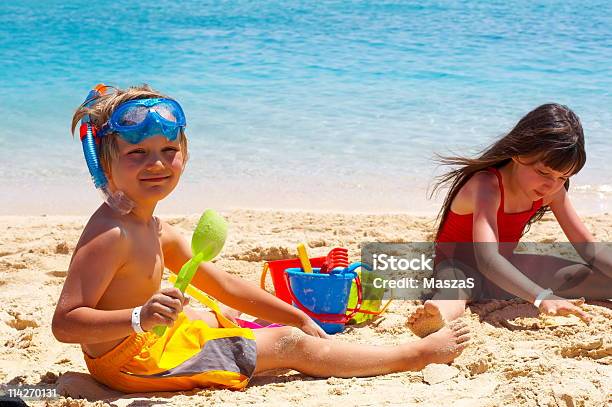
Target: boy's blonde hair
(101, 110)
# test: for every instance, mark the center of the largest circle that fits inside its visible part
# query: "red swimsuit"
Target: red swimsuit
(458, 228)
(455, 241)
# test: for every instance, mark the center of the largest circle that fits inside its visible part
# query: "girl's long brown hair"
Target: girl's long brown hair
(550, 132)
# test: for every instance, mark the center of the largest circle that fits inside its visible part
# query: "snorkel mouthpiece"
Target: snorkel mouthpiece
(118, 200)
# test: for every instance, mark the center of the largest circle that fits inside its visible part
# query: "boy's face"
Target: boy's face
(147, 171)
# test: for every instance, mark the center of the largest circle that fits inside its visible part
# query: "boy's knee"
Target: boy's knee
(290, 341)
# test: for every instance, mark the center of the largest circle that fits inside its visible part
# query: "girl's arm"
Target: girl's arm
(486, 200)
(231, 290)
(595, 254)
(497, 268)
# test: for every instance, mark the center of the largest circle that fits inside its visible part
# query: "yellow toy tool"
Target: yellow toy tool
(303, 256)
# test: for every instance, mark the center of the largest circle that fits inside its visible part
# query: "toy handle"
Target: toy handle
(264, 273)
(188, 271)
(304, 260)
(357, 308)
(182, 282)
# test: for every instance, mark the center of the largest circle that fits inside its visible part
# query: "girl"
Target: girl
(492, 199)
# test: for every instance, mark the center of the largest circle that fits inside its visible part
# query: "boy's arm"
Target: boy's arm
(92, 268)
(595, 254)
(230, 290)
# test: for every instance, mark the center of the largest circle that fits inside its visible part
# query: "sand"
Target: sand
(516, 358)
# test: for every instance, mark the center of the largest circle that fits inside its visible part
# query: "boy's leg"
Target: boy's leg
(290, 348)
(446, 305)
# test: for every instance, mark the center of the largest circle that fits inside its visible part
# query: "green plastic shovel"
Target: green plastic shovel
(206, 243)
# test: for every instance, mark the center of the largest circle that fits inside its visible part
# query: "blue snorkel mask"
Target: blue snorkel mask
(134, 121)
(137, 120)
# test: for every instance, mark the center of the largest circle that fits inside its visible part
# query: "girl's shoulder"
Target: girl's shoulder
(481, 189)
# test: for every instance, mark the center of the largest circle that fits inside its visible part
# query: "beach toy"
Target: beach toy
(324, 297)
(368, 296)
(206, 243)
(337, 257)
(371, 296)
(303, 256)
(370, 304)
(277, 272)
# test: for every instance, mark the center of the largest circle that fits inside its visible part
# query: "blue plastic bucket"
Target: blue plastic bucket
(324, 295)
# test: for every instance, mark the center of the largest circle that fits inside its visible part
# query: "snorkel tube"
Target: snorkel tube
(118, 200)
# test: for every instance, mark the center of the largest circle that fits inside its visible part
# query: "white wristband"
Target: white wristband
(136, 320)
(541, 296)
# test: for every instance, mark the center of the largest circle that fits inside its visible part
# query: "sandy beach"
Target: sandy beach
(516, 358)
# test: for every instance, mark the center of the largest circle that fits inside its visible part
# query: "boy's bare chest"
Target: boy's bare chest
(140, 275)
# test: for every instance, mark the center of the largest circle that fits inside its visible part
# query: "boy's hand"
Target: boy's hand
(309, 327)
(162, 308)
(554, 305)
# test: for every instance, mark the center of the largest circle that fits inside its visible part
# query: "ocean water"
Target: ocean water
(303, 105)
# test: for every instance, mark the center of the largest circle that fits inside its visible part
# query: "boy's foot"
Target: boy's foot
(426, 319)
(446, 344)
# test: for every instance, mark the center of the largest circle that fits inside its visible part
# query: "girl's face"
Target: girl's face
(536, 179)
(147, 171)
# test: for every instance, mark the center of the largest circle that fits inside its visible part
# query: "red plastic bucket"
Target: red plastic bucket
(277, 271)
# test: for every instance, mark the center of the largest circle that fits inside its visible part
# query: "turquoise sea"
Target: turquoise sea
(332, 105)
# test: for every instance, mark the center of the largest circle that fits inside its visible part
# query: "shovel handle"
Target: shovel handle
(182, 282)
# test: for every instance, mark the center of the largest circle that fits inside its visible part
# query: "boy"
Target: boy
(111, 298)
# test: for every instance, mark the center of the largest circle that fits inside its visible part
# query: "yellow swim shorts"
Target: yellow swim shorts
(190, 354)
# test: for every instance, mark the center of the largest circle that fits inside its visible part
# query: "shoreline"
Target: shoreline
(83, 199)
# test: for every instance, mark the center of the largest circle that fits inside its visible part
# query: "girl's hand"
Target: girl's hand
(162, 308)
(309, 327)
(554, 305)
